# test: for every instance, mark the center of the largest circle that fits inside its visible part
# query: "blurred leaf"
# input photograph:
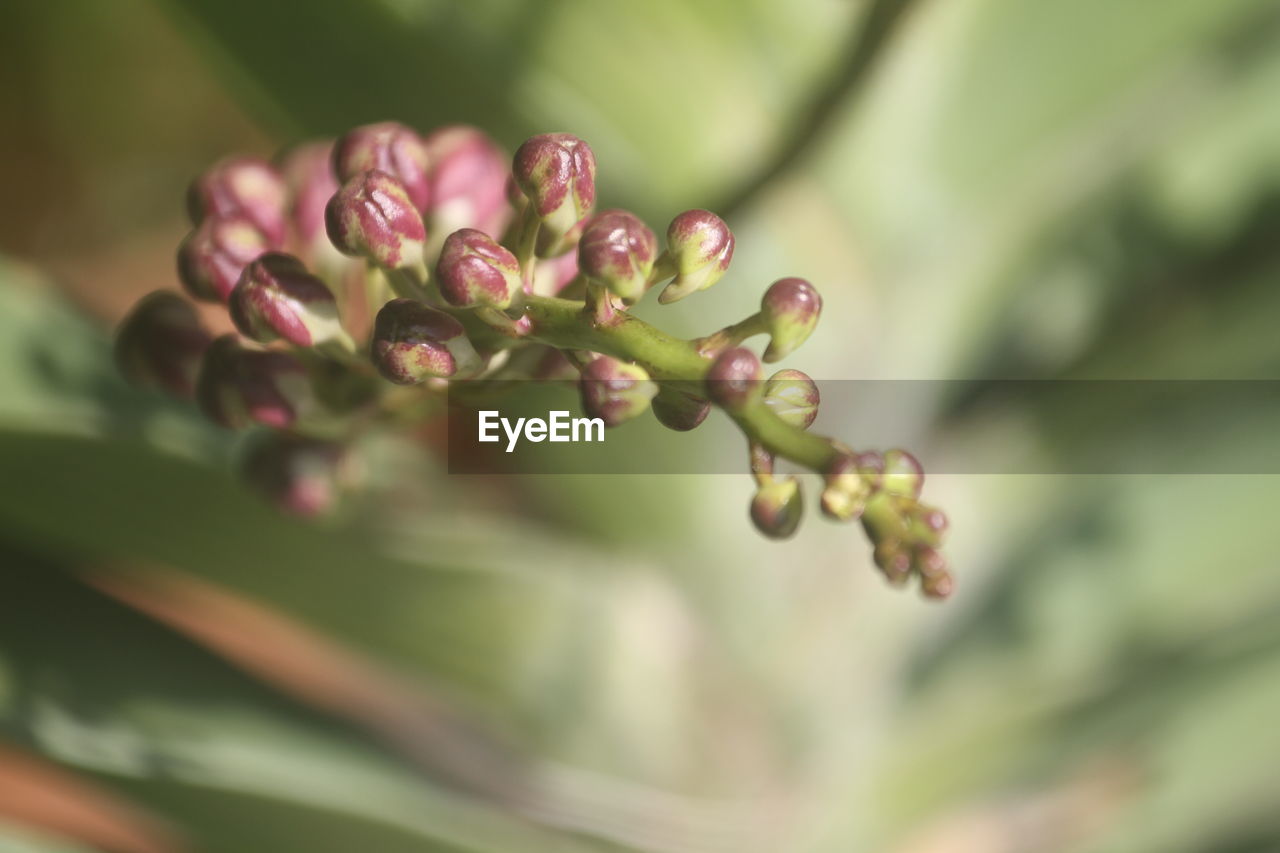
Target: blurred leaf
(183, 732)
(678, 99)
(48, 800)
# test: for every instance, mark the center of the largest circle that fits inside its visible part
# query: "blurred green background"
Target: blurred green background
(981, 189)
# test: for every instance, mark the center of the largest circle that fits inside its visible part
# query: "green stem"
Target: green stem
(563, 323)
(526, 246)
(407, 285)
(730, 336)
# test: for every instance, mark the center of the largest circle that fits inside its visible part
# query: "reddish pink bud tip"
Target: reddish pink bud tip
(212, 256)
(246, 187)
(734, 379)
(475, 270)
(389, 147)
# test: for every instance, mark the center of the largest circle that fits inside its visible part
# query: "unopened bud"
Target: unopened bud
(277, 298)
(903, 475)
(557, 173)
(679, 410)
(389, 147)
(298, 475)
(554, 274)
(933, 519)
(468, 176)
(844, 496)
(929, 562)
(246, 187)
(777, 507)
(413, 343)
(937, 587)
(475, 270)
(734, 379)
(790, 308)
(372, 217)
(614, 390)
(617, 250)
(160, 344)
(308, 173)
(894, 561)
(212, 256)
(237, 386)
(793, 396)
(700, 246)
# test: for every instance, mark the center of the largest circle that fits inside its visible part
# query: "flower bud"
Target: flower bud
(297, 475)
(389, 147)
(614, 390)
(894, 561)
(846, 489)
(617, 250)
(793, 396)
(929, 562)
(554, 274)
(932, 519)
(733, 380)
(308, 173)
(212, 256)
(372, 217)
(939, 586)
(160, 344)
(413, 343)
(468, 176)
(790, 309)
(700, 245)
(247, 187)
(555, 244)
(557, 173)
(679, 410)
(475, 270)
(777, 507)
(237, 387)
(903, 475)
(277, 298)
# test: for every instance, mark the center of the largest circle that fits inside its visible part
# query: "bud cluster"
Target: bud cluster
(462, 259)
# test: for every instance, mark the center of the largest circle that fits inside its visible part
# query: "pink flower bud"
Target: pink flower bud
(237, 387)
(734, 379)
(161, 343)
(680, 410)
(413, 343)
(277, 298)
(777, 508)
(475, 270)
(700, 245)
(557, 173)
(790, 309)
(903, 474)
(614, 390)
(388, 147)
(298, 475)
(894, 561)
(793, 396)
(468, 176)
(247, 187)
(308, 173)
(851, 479)
(212, 256)
(618, 250)
(372, 217)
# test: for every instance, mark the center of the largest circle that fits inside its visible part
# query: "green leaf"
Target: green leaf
(182, 732)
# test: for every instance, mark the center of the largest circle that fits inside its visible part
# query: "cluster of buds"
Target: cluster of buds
(353, 267)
